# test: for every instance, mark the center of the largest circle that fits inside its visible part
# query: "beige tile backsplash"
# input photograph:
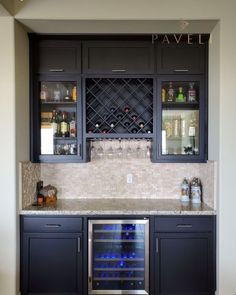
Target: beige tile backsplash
(106, 177)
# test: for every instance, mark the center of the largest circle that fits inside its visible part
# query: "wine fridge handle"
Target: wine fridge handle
(157, 245)
(79, 245)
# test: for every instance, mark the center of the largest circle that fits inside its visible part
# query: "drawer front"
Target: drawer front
(52, 224)
(184, 224)
(118, 57)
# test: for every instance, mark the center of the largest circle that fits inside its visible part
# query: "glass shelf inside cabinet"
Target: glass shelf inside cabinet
(180, 118)
(58, 119)
(119, 106)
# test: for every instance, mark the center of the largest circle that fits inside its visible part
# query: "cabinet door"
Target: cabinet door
(51, 264)
(184, 264)
(114, 57)
(181, 58)
(55, 56)
(182, 119)
(56, 120)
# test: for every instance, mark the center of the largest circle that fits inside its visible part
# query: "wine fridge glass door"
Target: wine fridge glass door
(118, 257)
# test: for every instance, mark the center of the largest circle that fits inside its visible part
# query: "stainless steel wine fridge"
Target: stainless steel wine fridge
(118, 257)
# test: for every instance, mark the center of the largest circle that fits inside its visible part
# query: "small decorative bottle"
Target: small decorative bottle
(185, 190)
(196, 191)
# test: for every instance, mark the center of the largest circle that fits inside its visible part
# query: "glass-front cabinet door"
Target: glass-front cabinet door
(59, 123)
(181, 119)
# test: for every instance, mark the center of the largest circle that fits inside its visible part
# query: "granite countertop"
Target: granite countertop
(119, 207)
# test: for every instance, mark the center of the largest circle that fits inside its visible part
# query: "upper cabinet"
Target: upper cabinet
(186, 57)
(118, 57)
(59, 56)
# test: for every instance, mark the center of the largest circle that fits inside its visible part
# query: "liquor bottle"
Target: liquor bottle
(72, 126)
(180, 96)
(64, 125)
(112, 109)
(57, 93)
(163, 94)
(74, 93)
(104, 131)
(54, 123)
(44, 93)
(176, 126)
(191, 93)
(67, 95)
(170, 93)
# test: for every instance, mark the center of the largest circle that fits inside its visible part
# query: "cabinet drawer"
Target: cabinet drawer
(57, 56)
(114, 57)
(181, 59)
(184, 224)
(52, 224)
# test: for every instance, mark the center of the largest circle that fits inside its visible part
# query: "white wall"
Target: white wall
(8, 228)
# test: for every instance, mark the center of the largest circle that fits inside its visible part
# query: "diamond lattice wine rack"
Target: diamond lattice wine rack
(119, 107)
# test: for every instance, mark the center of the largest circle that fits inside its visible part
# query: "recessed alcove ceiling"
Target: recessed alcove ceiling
(117, 26)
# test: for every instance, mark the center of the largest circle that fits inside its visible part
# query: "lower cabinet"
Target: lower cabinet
(54, 257)
(184, 256)
(51, 256)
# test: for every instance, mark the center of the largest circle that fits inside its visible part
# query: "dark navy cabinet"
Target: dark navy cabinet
(51, 255)
(118, 57)
(112, 87)
(184, 255)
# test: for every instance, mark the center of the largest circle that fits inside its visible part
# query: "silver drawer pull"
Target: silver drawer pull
(184, 225)
(181, 70)
(56, 70)
(54, 225)
(118, 70)
(79, 246)
(157, 244)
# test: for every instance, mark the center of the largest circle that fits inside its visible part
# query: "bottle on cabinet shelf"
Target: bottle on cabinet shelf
(180, 96)
(67, 96)
(191, 97)
(54, 123)
(57, 93)
(72, 126)
(43, 92)
(74, 93)
(163, 94)
(171, 93)
(64, 125)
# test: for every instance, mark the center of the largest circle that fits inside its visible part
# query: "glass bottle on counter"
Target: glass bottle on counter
(180, 96)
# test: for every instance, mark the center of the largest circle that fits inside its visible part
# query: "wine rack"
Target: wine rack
(118, 256)
(119, 107)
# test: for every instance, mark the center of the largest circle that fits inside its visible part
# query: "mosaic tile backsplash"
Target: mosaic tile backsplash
(106, 175)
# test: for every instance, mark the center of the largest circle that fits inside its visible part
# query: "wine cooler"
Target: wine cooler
(118, 257)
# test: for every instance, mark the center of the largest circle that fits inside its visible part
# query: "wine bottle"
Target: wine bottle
(163, 94)
(119, 116)
(97, 124)
(141, 125)
(54, 123)
(112, 124)
(64, 125)
(126, 109)
(44, 93)
(134, 130)
(134, 117)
